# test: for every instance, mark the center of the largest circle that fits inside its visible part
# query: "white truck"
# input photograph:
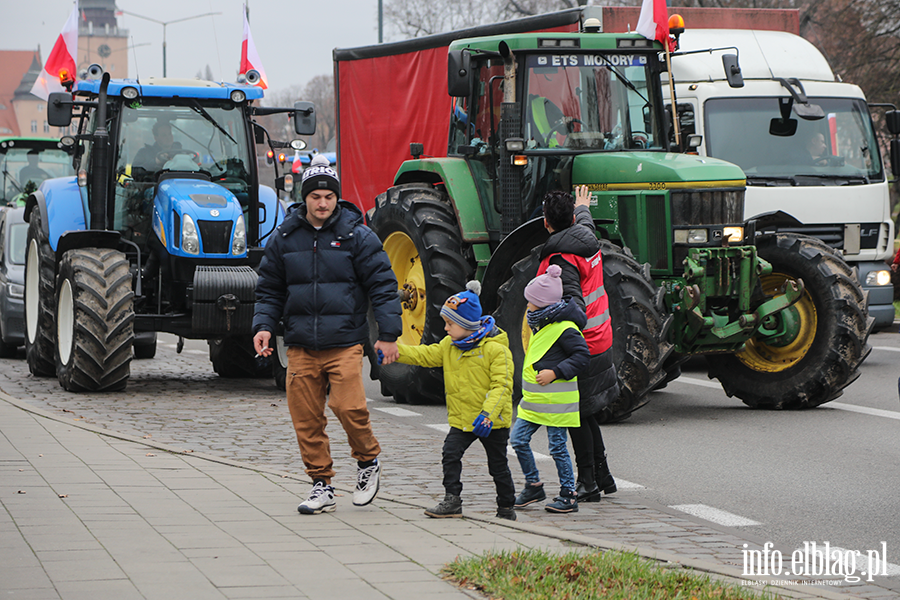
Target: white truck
(804, 139)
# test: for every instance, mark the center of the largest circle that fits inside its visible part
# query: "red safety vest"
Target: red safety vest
(598, 331)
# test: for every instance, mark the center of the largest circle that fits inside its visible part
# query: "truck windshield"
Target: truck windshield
(184, 137)
(842, 145)
(590, 101)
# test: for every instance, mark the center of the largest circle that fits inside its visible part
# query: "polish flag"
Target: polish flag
(62, 58)
(250, 57)
(653, 23)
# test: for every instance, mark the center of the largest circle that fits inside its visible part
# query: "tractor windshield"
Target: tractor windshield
(22, 169)
(590, 102)
(208, 138)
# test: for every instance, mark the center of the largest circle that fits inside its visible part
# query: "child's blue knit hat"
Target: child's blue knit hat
(464, 308)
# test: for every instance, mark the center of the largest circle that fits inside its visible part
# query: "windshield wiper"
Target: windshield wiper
(202, 112)
(771, 179)
(625, 80)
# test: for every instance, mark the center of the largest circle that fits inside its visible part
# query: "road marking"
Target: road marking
(442, 427)
(397, 411)
(888, 348)
(700, 382)
(875, 412)
(715, 515)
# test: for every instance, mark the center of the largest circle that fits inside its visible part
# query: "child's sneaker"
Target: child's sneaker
(533, 492)
(450, 506)
(506, 512)
(566, 502)
(367, 483)
(321, 499)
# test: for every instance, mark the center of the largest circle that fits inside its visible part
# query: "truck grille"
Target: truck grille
(215, 236)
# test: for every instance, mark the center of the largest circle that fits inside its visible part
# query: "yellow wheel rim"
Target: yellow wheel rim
(407, 268)
(766, 358)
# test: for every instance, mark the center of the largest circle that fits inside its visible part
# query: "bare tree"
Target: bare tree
(320, 91)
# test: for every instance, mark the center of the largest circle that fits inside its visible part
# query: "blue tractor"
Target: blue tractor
(160, 231)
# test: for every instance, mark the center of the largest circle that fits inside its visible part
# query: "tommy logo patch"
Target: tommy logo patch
(335, 244)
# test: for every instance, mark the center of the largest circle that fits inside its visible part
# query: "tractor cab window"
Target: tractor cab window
(22, 170)
(590, 102)
(205, 138)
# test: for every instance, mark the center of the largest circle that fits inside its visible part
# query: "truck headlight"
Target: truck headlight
(882, 277)
(239, 243)
(190, 241)
(16, 290)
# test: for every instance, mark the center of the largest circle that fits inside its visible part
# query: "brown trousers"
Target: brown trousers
(309, 374)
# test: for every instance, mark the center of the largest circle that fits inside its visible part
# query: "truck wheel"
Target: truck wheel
(639, 325)
(40, 299)
(94, 320)
(234, 357)
(826, 338)
(417, 226)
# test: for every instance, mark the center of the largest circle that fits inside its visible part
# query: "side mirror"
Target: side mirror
(459, 73)
(895, 157)
(59, 109)
(892, 120)
(783, 127)
(304, 118)
(732, 70)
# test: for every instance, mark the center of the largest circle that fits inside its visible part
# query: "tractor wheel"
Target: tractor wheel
(145, 345)
(826, 337)
(40, 299)
(420, 234)
(94, 320)
(234, 357)
(639, 326)
(280, 363)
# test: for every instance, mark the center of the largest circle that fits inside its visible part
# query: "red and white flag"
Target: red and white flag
(250, 57)
(62, 58)
(653, 23)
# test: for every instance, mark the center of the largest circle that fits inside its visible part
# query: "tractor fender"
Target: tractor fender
(59, 200)
(456, 177)
(514, 247)
(271, 213)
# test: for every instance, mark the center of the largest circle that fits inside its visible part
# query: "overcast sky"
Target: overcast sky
(294, 38)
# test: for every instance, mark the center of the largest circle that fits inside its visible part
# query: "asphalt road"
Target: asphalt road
(825, 474)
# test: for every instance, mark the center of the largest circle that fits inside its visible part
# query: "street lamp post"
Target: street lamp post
(164, 23)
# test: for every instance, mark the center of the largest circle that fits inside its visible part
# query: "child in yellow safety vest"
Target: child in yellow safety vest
(478, 383)
(556, 354)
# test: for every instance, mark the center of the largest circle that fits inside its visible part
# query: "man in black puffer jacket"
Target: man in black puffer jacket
(321, 268)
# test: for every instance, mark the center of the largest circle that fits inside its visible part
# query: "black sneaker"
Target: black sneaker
(506, 512)
(566, 502)
(450, 506)
(533, 492)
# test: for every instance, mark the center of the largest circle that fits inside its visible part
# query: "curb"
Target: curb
(645, 552)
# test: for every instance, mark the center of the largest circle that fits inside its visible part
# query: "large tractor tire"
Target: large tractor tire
(420, 234)
(639, 326)
(827, 337)
(235, 357)
(40, 299)
(94, 320)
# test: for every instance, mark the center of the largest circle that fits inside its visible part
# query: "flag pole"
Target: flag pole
(675, 126)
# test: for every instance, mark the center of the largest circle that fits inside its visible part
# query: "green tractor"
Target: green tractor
(781, 317)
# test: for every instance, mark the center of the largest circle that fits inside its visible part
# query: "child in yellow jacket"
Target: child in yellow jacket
(478, 384)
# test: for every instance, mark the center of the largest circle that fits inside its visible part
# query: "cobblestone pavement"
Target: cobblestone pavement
(176, 399)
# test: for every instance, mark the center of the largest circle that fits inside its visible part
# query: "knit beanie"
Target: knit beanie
(545, 289)
(319, 176)
(464, 308)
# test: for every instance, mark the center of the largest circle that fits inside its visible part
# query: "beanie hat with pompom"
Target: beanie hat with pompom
(464, 308)
(545, 289)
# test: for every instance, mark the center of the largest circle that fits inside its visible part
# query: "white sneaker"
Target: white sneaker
(321, 499)
(367, 482)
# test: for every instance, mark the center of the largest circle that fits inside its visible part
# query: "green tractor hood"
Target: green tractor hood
(654, 171)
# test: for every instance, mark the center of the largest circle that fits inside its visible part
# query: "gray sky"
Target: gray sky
(294, 38)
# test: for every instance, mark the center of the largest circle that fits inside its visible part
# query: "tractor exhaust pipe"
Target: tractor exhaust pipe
(510, 127)
(99, 192)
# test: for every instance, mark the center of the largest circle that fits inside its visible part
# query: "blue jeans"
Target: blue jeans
(520, 440)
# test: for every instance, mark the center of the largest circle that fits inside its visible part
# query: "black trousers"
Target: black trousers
(587, 442)
(455, 445)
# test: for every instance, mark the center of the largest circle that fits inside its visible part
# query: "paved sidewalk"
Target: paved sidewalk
(98, 514)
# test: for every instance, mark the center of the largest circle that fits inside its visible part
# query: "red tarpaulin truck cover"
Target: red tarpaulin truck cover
(390, 95)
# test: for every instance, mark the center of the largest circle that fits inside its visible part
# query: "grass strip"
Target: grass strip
(541, 575)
